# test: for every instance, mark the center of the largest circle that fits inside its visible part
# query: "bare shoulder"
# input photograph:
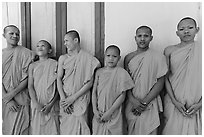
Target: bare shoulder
(129, 56)
(62, 58)
(168, 50)
(99, 71)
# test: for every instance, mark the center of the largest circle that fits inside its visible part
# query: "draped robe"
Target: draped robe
(185, 79)
(79, 69)
(44, 75)
(110, 86)
(145, 69)
(15, 64)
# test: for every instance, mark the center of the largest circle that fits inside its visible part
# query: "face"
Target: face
(187, 30)
(143, 38)
(12, 36)
(42, 49)
(111, 57)
(69, 42)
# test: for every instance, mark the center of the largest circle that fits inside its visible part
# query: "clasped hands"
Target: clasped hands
(67, 104)
(102, 117)
(138, 106)
(187, 111)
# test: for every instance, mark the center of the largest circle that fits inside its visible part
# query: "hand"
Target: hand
(46, 109)
(69, 109)
(136, 112)
(13, 106)
(68, 101)
(8, 96)
(106, 117)
(139, 105)
(193, 109)
(38, 106)
(181, 107)
(97, 115)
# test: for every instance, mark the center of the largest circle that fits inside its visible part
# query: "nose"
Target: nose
(142, 38)
(14, 35)
(186, 31)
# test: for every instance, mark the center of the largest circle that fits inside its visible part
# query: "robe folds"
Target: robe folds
(79, 69)
(44, 75)
(110, 86)
(15, 64)
(145, 68)
(185, 79)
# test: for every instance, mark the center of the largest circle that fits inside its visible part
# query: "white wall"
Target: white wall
(43, 23)
(80, 16)
(122, 19)
(10, 15)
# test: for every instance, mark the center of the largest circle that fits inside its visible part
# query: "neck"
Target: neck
(42, 58)
(110, 68)
(9, 46)
(184, 43)
(142, 49)
(75, 51)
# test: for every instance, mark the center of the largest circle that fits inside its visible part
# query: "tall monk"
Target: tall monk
(109, 91)
(75, 78)
(147, 68)
(183, 102)
(42, 88)
(15, 62)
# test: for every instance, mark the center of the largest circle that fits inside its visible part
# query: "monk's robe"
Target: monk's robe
(44, 75)
(15, 64)
(185, 79)
(79, 69)
(145, 69)
(111, 84)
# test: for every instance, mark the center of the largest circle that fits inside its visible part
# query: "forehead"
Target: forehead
(12, 29)
(143, 31)
(67, 36)
(186, 22)
(42, 43)
(112, 51)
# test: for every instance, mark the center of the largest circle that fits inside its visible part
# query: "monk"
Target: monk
(42, 89)
(109, 91)
(183, 101)
(15, 99)
(147, 68)
(75, 78)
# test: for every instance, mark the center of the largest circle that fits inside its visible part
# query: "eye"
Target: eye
(181, 29)
(146, 36)
(191, 27)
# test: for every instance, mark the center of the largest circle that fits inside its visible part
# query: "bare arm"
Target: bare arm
(117, 103)
(154, 92)
(94, 95)
(11, 94)
(60, 73)
(31, 89)
(178, 105)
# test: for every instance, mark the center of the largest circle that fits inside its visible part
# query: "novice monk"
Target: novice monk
(183, 102)
(15, 99)
(109, 90)
(42, 89)
(75, 78)
(147, 68)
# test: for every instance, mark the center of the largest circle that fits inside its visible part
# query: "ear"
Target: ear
(76, 40)
(198, 29)
(119, 58)
(4, 35)
(50, 51)
(177, 33)
(151, 38)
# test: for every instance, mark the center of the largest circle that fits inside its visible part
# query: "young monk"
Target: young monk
(75, 78)
(183, 102)
(147, 68)
(109, 90)
(42, 89)
(15, 99)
